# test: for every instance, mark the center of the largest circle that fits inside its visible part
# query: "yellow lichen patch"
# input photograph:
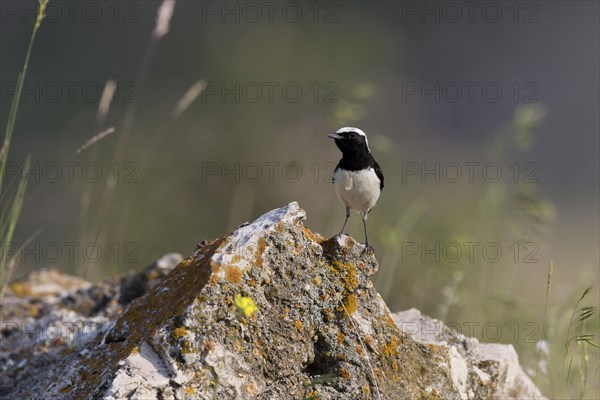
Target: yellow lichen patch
(261, 246)
(209, 345)
(34, 311)
(315, 237)
(279, 227)
(245, 304)
(313, 395)
(432, 347)
(340, 338)
(233, 275)
(359, 349)
(298, 325)
(236, 259)
(252, 282)
(20, 289)
(66, 389)
(180, 332)
(153, 275)
(186, 347)
(214, 267)
(389, 321)
(366, 389)
(323, 296)
(329, 315)
(251, 389)
(341, 357)
(390, 349)
(237, 345)
(348, 273)
(370, 342)
(394, 365)
(350, 304)
(345, 374)
(188, 390)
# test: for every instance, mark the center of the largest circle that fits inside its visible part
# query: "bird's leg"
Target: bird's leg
(367, 245)
(346, 221)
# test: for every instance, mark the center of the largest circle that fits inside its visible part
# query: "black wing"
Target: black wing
(379, 174)
(334, 171)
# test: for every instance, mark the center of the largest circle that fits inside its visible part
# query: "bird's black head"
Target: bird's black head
(352, 142)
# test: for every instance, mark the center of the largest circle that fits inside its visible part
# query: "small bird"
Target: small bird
(358, 179)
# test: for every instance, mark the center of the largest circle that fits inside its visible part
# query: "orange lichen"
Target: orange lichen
(66, 389)
(298, 325)
(209, 345)
(252, 282)
(329, 314)
(180, 332)
(348, 273)
(237, 345)
(313, 395)
(370, 342)
(345, 374)
(389, 321)
(366, 389)
(260, 249)
(20, 289)
(233, 275)
(154, 275)
(251, 389)
(315, 237)
(340, 338)
(214, 267)
(390, 349)
(350, 304)
(188, 390)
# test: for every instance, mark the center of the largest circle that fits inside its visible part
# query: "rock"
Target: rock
(478, 370)
(271, 311)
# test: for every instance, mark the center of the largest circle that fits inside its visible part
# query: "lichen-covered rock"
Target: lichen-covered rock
(271, 311)
(478, 370)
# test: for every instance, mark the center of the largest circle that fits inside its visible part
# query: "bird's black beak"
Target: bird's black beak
(335, 136)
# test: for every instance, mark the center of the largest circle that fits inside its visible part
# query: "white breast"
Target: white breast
(358, 190)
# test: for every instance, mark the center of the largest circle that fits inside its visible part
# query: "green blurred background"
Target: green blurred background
(513, 85)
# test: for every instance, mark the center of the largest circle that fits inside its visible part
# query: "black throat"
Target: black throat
(356, 160)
